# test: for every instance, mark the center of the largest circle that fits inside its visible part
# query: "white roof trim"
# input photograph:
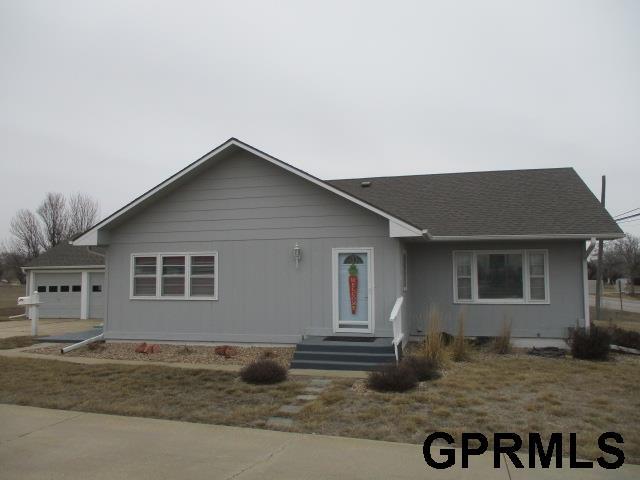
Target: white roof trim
(90, 237)
(561, 236)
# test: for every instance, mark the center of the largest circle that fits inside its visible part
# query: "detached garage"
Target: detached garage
(69, 280)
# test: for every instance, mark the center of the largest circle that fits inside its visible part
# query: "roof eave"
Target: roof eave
(561, 236)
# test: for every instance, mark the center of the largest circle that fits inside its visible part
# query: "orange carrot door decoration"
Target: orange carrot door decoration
(353, 287)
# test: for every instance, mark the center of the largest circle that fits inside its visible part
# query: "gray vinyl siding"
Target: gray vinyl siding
(96, 299)
(252, 213)
(431, 286)
(58, 305)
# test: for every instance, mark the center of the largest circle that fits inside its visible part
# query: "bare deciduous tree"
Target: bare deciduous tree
(627, 250)
(53, 212)
(27, 232)
(56, 221)
(82, 213)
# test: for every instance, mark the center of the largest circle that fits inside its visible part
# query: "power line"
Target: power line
(624, 213)
(630, 221)
(628, 217)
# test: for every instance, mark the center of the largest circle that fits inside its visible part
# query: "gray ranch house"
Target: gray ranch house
(242, 247)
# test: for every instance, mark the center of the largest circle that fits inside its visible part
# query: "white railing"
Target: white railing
(396, 320)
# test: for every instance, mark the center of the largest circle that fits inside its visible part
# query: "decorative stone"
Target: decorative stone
(291, 409)
(280, 422)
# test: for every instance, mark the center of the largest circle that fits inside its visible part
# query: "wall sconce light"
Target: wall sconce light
(297, 254)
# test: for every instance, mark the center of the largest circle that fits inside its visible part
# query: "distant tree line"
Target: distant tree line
(57, 219)
(620, 259)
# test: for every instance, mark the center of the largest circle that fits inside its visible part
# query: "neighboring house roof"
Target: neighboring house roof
(65, 255)
(528, 203)
(549, 203)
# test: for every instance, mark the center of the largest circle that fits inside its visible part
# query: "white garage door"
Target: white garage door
(59, 294)
(96, 295)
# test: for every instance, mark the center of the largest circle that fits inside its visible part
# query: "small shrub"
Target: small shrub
(433, 347)
(393, 378)
(424, 368)
(264, 372)
(625, 338)
(593, 344)
(502, 343)
(460, 347)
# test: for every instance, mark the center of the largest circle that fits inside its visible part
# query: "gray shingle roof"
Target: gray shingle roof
(512, 202)
(65, 255)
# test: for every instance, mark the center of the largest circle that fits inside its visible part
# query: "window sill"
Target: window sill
(175, 298)
(501, 302)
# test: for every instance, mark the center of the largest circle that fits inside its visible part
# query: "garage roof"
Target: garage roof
(65, 255)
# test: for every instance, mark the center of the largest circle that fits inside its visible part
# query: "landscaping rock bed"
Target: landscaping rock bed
(177, 353)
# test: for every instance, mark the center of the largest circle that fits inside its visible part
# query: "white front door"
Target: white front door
(353, 290)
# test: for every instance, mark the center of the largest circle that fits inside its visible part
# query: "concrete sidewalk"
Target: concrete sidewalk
(40, 443)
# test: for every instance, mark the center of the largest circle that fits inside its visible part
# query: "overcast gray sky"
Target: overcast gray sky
(110, 98)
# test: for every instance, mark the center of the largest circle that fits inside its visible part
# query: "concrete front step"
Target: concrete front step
(334, 365)
(344, 347)
(343, 356)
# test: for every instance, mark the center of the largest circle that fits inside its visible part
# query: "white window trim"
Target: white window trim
(187, 276)
(502, 301)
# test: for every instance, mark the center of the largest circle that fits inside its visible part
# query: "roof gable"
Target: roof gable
(91, 236)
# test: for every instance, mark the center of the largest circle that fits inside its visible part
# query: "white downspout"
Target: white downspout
(585, 283)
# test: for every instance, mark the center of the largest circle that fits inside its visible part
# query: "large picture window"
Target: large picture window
(513, 276)
(174, 276)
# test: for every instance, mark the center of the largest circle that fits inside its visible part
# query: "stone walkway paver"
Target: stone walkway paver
(279, 422)
(317, 385)
(291, 409)
(306, 398)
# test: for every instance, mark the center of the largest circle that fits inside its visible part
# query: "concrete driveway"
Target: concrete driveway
(40, 443)
(47, 326)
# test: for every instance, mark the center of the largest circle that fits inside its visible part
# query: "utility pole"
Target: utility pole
(600, 252)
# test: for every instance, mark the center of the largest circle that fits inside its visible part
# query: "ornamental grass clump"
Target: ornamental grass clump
(460, 347)
(392, 378)
(592, 344)
(502, 343)
(433, 347)
(264, 371)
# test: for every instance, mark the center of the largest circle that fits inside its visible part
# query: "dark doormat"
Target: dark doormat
(349, 339)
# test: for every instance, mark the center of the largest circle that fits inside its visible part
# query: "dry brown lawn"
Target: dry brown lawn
(8, 297)
(492, 393)
(191, 395)
(16, 342)
(625, 320)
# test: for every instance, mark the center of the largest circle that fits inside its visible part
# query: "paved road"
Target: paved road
(47, 326)
(40, 443)
(614, 304)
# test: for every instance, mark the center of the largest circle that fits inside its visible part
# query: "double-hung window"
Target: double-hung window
(509, 276)
(174, 276)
